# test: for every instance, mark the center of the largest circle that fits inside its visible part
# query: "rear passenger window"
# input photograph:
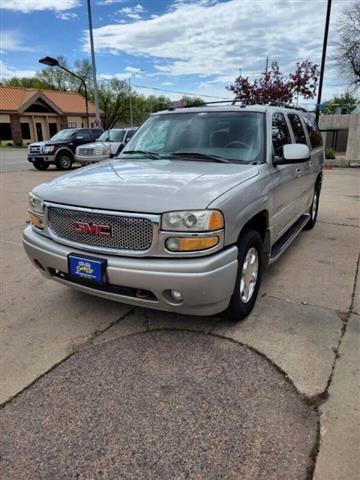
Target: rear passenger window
(297, 128)
(313, 131)
(280, 133)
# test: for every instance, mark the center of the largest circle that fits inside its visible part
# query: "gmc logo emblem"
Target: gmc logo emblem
(92, 229)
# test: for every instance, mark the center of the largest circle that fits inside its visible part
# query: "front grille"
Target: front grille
(127, 233)
(86, 151)
(35, 149)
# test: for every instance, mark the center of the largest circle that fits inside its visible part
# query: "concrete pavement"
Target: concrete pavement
(301, 321)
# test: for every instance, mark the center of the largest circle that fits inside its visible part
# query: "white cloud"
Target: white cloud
(167, 84)
(111, 2)
(66, 15)
(7, 71)
(132, 12)
(12, 41)
(217, 39)
(27, 6)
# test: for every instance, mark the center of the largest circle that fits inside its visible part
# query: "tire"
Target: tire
(313, 209)
(41, 165)
(250, 246)
(64, 161)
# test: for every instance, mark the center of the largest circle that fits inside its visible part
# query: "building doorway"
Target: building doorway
(52, 129)
(39, 132)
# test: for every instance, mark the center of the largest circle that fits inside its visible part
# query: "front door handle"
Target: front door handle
(298, 172)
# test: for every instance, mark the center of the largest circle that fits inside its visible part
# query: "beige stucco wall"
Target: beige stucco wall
(349, 122)
(4, 118)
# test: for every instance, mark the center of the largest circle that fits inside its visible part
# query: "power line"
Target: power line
(182, 93)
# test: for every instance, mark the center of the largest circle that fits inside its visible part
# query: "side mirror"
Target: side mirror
(293, 153)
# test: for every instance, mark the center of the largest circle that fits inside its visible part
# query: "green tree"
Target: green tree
(192, 101)
(28, 83)
(344, 100)
(56, 77)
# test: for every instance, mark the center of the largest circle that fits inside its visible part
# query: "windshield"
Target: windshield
(63, 135)
(233, 136)
(111, 136)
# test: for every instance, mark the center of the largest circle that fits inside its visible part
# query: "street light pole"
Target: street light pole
(323, 59)
(96, 96)
(52, 62)
(130, 96)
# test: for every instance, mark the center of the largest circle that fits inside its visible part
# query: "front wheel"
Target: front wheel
(313, 209)
(40, 165)
(64, 161)
(250, 268)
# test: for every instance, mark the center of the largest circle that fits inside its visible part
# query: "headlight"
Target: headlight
(193, 221)
(49, 148)
(36, 205)
(101, 151)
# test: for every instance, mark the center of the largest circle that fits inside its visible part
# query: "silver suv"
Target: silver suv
(186, 219)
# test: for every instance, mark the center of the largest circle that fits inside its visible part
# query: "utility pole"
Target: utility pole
(130, 96)
(323, 59)
(96, 96)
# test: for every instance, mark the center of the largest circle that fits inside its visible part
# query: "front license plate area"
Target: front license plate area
(87, 268)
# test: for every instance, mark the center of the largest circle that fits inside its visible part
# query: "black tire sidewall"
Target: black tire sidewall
(312, 221)
(40, 165)
(237, 309)
(58, 161)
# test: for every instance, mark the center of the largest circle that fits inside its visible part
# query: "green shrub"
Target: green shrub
(329, 153)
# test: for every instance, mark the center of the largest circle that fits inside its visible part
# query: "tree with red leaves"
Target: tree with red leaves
(273, 86)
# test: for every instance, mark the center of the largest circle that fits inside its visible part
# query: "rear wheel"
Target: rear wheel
(313, 209)
(250, 268)
(41, 165)
(64, 161)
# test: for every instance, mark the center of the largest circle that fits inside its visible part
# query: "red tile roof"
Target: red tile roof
(12, 99)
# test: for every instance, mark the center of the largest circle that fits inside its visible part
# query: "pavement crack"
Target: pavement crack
(339, 224)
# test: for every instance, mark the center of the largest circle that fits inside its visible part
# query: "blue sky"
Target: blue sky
(183, 45)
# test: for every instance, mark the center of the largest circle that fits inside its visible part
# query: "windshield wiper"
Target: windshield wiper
(152, 155)
(199, 156)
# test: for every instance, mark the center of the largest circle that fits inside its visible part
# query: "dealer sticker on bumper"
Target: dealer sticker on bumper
(86, 268)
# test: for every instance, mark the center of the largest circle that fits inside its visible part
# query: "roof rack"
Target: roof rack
(232, 102)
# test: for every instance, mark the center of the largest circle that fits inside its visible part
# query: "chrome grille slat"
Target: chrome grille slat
(86, 151)
(35, 149)
(128, 233)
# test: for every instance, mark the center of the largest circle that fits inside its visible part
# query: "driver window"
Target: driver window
(280, 133)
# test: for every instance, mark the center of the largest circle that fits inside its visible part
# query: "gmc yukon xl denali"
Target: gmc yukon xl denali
(189, 215)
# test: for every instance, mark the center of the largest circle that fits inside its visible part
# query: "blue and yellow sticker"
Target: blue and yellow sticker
(86, 268)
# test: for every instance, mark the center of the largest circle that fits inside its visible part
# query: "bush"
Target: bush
(329, 153)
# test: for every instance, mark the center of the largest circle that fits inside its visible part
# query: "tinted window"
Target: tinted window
(5, 131)
(83, 134)
(313, 131)
(297, 128)
(25, 131)
(280, 133)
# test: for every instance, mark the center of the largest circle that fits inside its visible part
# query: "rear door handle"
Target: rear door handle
(298, 172)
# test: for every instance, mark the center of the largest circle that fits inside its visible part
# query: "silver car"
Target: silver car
(189, 215)
(108, 145)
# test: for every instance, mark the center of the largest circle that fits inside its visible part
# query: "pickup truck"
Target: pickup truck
(60, 149)
(108, 145)
(190, 213)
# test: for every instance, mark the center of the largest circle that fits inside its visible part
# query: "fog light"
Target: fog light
(177, 296)
(191, 244)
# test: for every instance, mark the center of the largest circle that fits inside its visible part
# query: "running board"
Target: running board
(282, 244)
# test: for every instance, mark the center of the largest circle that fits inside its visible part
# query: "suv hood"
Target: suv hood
(148, 186)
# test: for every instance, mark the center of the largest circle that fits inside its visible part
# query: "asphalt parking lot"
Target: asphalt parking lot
(94, 389)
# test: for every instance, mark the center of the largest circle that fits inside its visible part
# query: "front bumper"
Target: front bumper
(206, 283)
(45, 157)
(84, 160)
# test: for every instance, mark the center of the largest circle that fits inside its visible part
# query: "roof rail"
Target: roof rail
(232, 102)
(286, 105)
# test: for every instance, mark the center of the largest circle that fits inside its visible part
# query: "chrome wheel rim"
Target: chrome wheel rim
(249, 275)
(314, 206)
(65, 162)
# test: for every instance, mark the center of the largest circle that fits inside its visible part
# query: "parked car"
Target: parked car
(108, 145)
(189, 215)
(60, 149)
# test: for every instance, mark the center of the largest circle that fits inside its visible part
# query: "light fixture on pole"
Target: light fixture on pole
(96, 96)
(53, 62)
(130, 96)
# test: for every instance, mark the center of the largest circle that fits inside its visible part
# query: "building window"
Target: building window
(52, 129)
(25, 131)
(5, 131)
